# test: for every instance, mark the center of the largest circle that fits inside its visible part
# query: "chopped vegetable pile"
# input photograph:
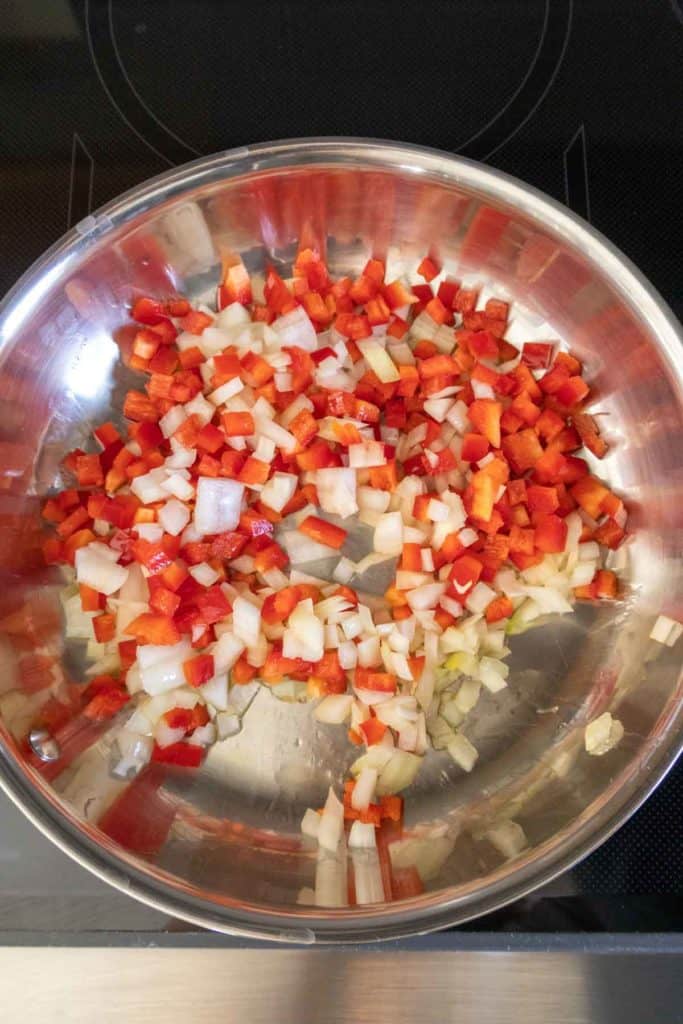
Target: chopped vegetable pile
(262, 432)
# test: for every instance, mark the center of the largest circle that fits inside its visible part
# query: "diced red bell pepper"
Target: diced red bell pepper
(549, 425)
(373, 730)
(174, 576)
(162, 599)
(466, 300)
(139, 407)
(483, 345)
(542, 499)
(483, 495)
(523, 450)
(406, 883)
(153, 628)
(242, 672)
(525, 409)
(304, 426)
(484, 414)
(148, 311)
(396, 295)
(609, 533)
(235, 284)
(516, 492)
(439, 366)
(605, 584)
(370, 679)
(212, 605)
(323, 532)
(589, 493)
(104, 627)
(474, 448)
(589, 433)
(105, 704)
(571, 392)
(254, 471)
(89, 471)
(465, 572)
(199, 670)
(428, 269)
(499, 608)
(238, 424)
(152, 555)
(195, 322)
(550, 535)
(537, 354)
(183, 755)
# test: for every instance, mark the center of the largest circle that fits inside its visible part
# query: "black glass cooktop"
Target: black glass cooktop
(580, 98)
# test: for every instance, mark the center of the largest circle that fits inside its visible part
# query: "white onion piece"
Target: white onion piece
(424, 597)
(344, 570)
(493, 674)
(203, 735)
(136, 752)
(334, 709)
(463, 753)
(331, 823)
(310, 823)
(549, 600)
(369, 652)
(98, 571)
(602, 734)
(666, 631)
(438, 408)
(177, 485)
(170, 421)
(388, 539)
(246, 621)
(227, 724)
(479, 598)
(282, 438)
(165, 736)
(279, 490)
(198, 406)
(371, 498)
(153, 532)
(457, 417)
(364, 790)
(362, 835)
(365, 456)
(174, 516)
(295, 328)
(372, 697)
(218, 506)
(398, 773)
(336, 489)
(304, 637)
(226, 391)
(379, 361)
(348, 655)
(204, 573)
(215, 692)
(367, 872)
(226, 651)
(582, 574)
(302, 549)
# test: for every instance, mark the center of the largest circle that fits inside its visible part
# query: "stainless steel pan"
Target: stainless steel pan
(221, 847)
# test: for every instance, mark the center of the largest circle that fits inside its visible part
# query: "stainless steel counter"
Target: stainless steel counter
(259, 986)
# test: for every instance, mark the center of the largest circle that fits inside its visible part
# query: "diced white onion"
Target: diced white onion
(334, 709)
(218, 506)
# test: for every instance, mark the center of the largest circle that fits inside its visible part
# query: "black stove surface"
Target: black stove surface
(580, 98)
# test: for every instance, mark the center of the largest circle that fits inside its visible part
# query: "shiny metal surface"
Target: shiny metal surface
(150, 986)
(222, 848)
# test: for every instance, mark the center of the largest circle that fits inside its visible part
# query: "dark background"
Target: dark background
(581, 99)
